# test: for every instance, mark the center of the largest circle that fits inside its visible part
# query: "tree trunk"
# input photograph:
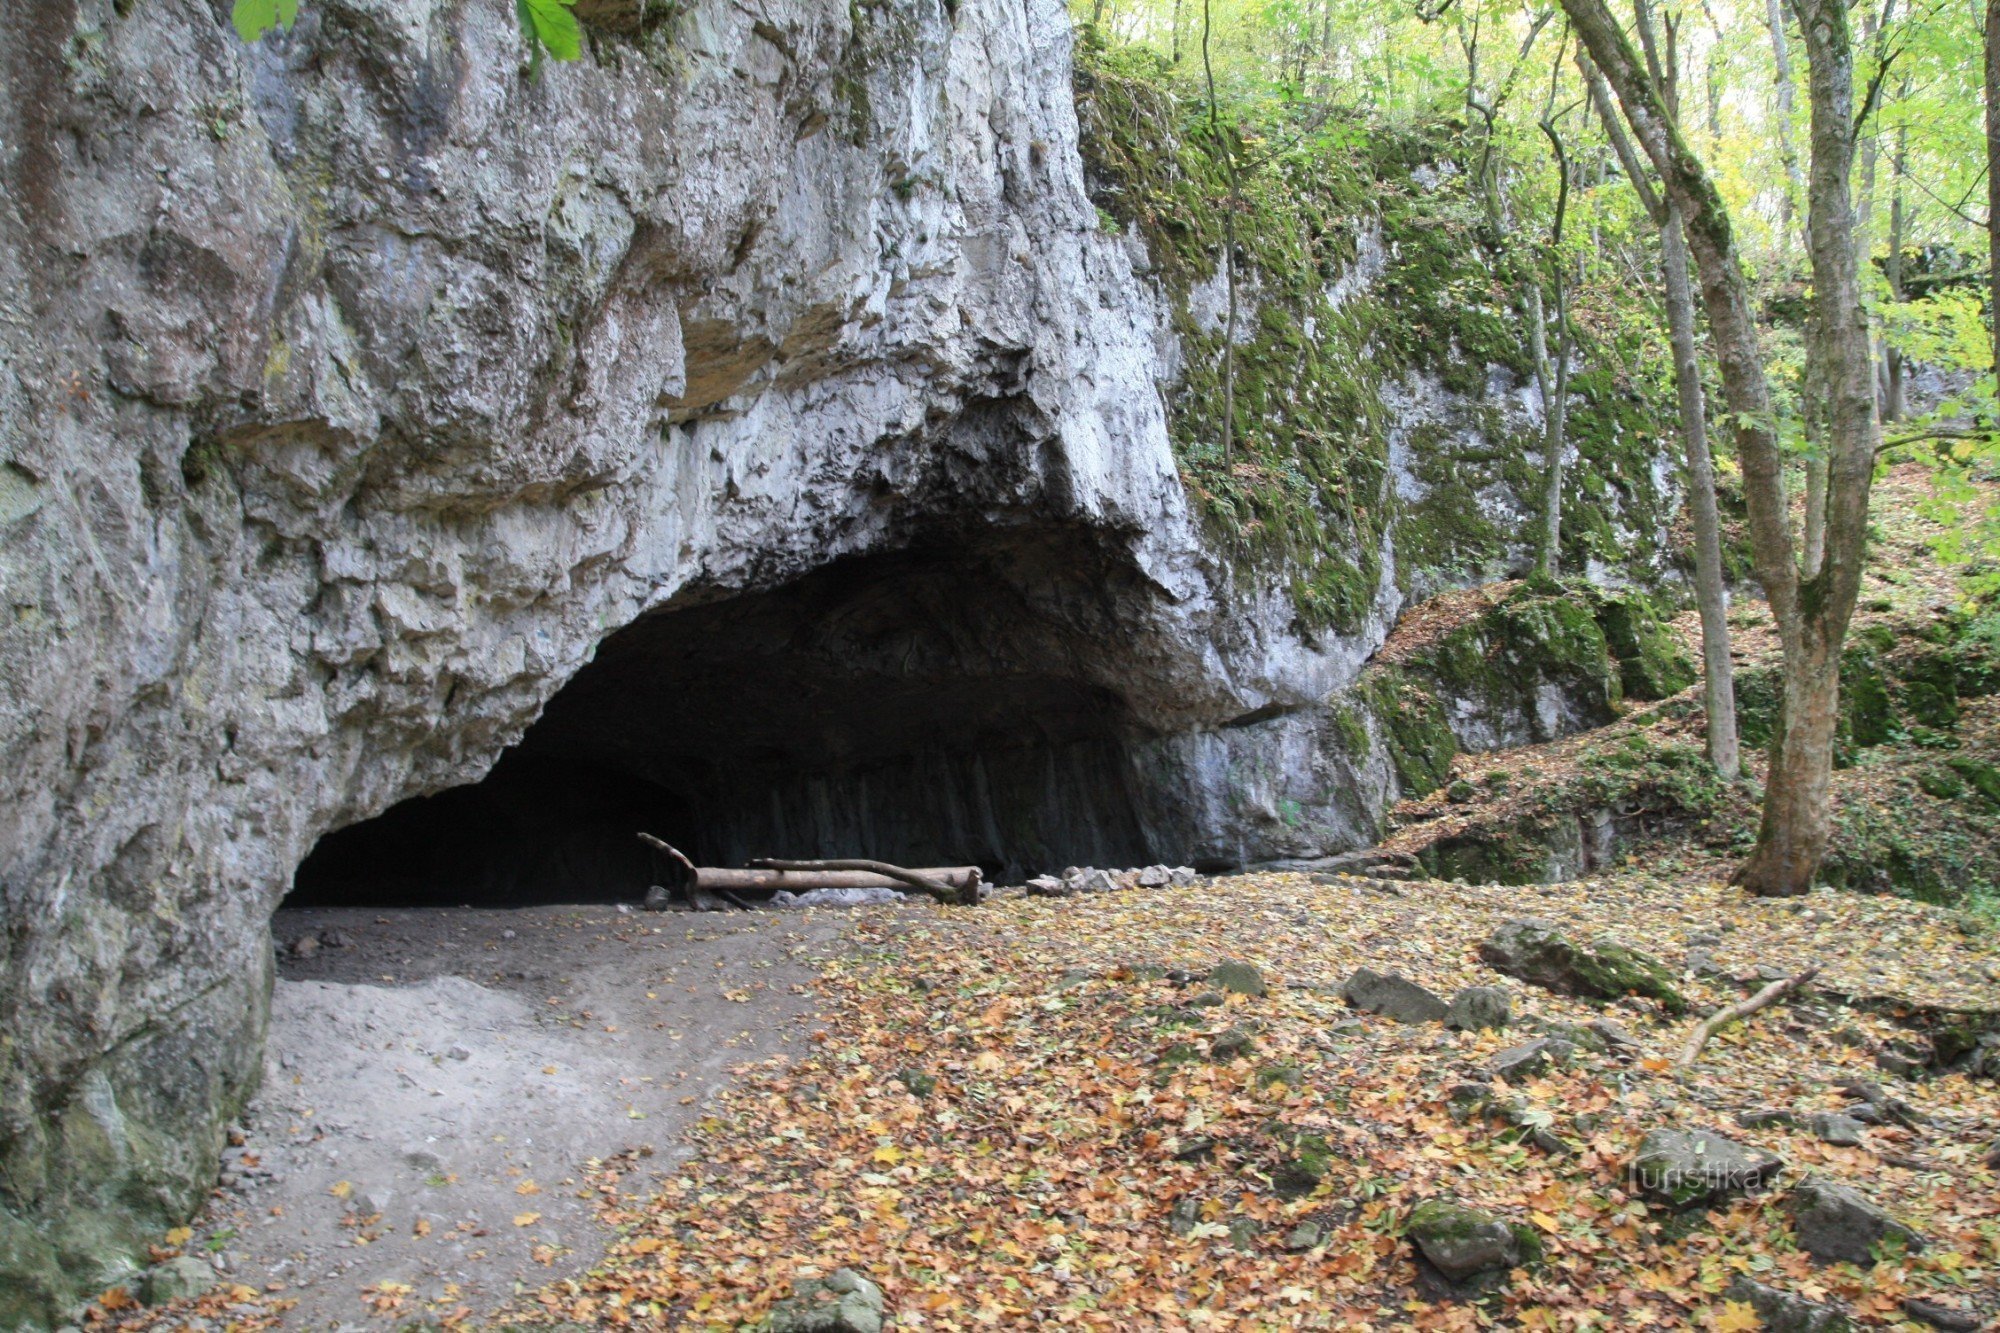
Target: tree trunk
(1793, 835)
(1811, 617)
(1892, 357)
(1993, 174)
(1781, 59)
(1711, 596)
(1555, 407)
(1711, 592)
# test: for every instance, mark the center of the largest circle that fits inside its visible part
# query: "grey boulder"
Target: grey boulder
(1835, 1224)
(1472, 1249)
(1393, 996)
(175, 1280)
(1782, 1312)
(1537, 951)
(1475, 1008)
(846, 1302)
(1690, 1167)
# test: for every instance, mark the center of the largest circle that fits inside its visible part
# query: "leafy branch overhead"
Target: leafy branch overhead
(548, 25)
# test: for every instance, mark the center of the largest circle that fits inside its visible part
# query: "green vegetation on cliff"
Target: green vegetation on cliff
(1366, 279)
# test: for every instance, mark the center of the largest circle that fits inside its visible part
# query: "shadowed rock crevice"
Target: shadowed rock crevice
(944, 704)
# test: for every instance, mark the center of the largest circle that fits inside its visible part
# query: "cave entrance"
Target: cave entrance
(942, 705)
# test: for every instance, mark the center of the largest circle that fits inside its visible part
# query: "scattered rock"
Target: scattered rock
(1305, 1236)
(658, 898)
(1842, 1131)
(459, 1051)
(1941, 1316)
(1230, 1044)
(1782, 1312)
(1766, 1119)
(1155, 877)
(1834, 1223)
(1241, 978)
(843, 1303)
(1184, 1216)
(1517, 1062)
(1685, 1168)
(1048, 886)
(1473, 1250)
(305, 946)
(176, 1279)
(1537, 951)
(334, 938)
(1393, 996)
(1475, 1008)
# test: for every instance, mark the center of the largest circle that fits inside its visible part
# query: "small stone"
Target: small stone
(1183, 876)
(176, 1279)
(1518, 1062)
(1942, 1316)
(1477, 1008)
(1835, 1224)
(1842, 1131)
(843, 1303)
(459, 1051)
(1463, 1243)
(658, 899)
(334, 938)
(1782, 1312)
(1184, 1216)
(1155, 877)
(1048, 886)
(1684, 1168)
(1766, 1119)
(305, 946)
(1240, 978)
(1231, 1044)
(1305, 1236)
(1392, 996)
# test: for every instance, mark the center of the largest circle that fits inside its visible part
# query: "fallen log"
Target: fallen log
(958, 884)
(951, 884)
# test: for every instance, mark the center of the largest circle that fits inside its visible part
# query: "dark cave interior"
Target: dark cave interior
(934, 706)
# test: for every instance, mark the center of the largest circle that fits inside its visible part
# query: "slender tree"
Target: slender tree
(1993, 176)
(1811, 613)
(1711, 592)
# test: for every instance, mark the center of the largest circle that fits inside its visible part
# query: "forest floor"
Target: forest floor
(1039, 1111)
(1054, 1112)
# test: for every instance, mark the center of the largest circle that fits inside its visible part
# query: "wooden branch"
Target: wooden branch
(1741, 1009)
(694, 876)
(669, 849)
(916, 879)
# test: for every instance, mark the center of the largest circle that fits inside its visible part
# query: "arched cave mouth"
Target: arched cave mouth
(935, 706)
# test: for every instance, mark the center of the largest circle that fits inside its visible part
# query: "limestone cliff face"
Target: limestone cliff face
(357, 387)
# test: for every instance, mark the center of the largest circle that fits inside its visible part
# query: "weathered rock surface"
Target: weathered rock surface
(1475, 1008)
(359, 391)
(1784, 1312)
(1473, 1250)
(1538, 951)
(1835, 1223)
(1393, 996)
(845, 1302)
(1685, 1168)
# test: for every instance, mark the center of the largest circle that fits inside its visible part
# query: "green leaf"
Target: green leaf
(254, 18)
(551, 26)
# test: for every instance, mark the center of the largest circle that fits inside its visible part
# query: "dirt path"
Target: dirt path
(437, 1080)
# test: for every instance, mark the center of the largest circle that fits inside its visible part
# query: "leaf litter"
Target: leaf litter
(1041, 1112)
